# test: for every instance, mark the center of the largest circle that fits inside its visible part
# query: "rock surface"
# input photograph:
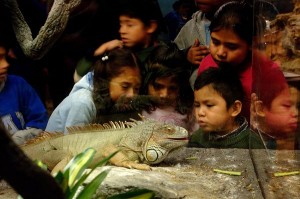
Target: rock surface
(189, 173)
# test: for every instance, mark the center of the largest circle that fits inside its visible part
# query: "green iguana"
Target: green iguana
(146, 141)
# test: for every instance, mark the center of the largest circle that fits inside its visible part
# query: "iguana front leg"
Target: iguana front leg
(61, 165)
(56, 160)
(120, 159)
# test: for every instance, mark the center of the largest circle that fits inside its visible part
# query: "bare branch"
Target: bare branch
(49, 33)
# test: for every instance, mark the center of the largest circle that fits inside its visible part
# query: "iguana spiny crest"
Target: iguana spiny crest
(157, 139)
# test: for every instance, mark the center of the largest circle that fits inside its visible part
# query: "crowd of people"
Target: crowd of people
(209, 76)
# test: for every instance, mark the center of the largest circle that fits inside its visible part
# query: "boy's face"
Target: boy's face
(227, 47)
(164, 87)
(209, 6)
(133, 32)
(126, 84)
(211, 111)
(282, 116)
(3, 64)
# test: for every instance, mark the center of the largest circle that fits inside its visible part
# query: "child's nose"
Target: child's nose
(221, 53)
(295, 111)
(3, 63)
(131, 92)
(201, 112)
(122, 30)
(163, 93)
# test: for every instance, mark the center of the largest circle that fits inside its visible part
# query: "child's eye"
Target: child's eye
(125, 86)
(196, 105)
(173, 88)
(157, 86)
(215, 42)
(137, 89)
(232, 46)
(209, 105)
(129, 24)
(286, 105)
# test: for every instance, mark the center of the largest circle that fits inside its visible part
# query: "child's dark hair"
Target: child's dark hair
(166, 60)
(105, 68)
(237, 16)
(4, 44)
(246, 18)
(224, 81)
(145, 10)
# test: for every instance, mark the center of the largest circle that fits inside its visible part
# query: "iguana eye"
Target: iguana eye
(165, 129)
(168, 130)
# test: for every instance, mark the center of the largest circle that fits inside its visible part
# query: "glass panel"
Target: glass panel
(275, 105)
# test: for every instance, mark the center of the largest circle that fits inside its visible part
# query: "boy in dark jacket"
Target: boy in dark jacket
(218, 97)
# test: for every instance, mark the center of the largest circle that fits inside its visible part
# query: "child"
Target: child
(175, 19)
(194, 36)
(231, 44)
(218, 96)
(115, 74)
(21, 110)
(276, 111)
(139, 26)
(167, 78)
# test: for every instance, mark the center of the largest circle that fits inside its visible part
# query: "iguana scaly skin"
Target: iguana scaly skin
(146, 141)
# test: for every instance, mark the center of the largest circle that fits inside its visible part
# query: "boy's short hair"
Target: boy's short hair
(145, 10)
(265, 91)
(224, 81)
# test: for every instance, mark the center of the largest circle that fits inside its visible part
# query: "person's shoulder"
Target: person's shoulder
(17, 82)
(256, 141)
(171, 15)
(196, 139)
(15, 78)
(262, 59)
(198, 15)
(208, 58)
(81, 100)
(196, 135)
(81, 96)
(206, 63)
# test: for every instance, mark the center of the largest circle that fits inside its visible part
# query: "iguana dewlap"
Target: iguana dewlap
(147, 142)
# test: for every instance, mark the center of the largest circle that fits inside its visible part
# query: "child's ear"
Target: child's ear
(152, 26)
(259, 108)
(236, 108)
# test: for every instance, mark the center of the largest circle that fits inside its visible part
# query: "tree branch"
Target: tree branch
(49, 33)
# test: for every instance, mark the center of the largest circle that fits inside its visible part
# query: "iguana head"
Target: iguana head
(163, 139)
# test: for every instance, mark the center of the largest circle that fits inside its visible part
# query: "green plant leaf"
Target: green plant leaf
(41, 164)
(59, 177)
(77, 166)
(85, 175)
(20, 197)
(90, 189)
(62, 180)
(135, 194)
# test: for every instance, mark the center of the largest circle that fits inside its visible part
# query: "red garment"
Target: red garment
(263, 66)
